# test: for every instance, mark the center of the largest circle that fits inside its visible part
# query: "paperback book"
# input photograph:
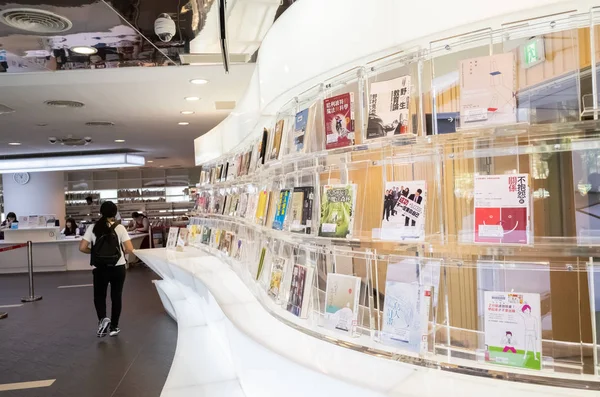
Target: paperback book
(242, 205)
(339, 120)
(172, 238)
(205, 235)
(261, 262)
(299, 299)
(271, 207)
(261, 207)
(300, 127)
(263, 147)
(301, 209)
(404, 211)
(337, 210)
(182, 238)
(277, 271)
(277, 139)
(341, 302)
(389, 107)
(282, 209)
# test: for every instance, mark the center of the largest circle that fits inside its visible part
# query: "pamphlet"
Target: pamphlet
(502, 209)
(337, 210)
(513, 329)
(339, 120)
(404, 211)
(389, 107)
(341, 302)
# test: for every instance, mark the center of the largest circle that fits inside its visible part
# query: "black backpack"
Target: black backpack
(106, 252)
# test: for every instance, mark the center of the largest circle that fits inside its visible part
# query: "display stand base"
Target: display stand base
(31, 299)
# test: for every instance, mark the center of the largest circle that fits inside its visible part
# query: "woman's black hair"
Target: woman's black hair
(11, 215)
(108, 209)
(73, 229)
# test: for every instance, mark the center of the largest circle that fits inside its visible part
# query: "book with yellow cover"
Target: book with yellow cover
(261, 207)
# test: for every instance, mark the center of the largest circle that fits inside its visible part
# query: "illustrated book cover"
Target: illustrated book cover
(300, 127)
(277, 272)
(282, 209)
(301, 209)
(341, 302)
(300, 290)
(403, 216)
(277, 139)
(337, 210)
(339, 120)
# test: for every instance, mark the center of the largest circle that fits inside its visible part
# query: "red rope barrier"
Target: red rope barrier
(13, 247)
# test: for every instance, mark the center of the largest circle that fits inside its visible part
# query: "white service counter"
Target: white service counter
(50, 256)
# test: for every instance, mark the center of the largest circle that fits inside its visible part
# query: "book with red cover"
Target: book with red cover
(339, 120)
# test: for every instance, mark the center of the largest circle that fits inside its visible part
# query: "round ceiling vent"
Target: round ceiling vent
(65, 104)
(37, 21)
(100, 123)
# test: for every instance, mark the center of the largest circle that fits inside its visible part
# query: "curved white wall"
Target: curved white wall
(44, 194)
(315, 39)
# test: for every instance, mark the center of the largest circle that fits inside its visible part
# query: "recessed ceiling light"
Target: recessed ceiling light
(183, 123)
(199, 81)
(161, 166)
(187, 112)
(192, 98)
(84, 50)
(150, 161)
(119, 140)
(14, 143)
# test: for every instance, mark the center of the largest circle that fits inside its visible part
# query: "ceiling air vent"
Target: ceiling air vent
(65, 104)
(224, 105)
(100, 123)
(70, 140)
(36, 21)
(5, 109)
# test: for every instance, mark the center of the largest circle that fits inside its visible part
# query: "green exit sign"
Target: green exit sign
(533, 52)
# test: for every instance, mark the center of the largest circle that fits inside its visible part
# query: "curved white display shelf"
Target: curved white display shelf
(229, 344)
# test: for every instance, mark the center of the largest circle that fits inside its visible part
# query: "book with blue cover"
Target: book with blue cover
(300, 130)
(282, 209)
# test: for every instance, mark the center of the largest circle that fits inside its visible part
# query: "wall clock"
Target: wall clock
(21, 177)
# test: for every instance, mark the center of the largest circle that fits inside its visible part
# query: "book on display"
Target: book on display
(263, 147)
(205, 235)
(339, 120)
(337, 210)
(242, 205)
(271, 207)
(300, 288)
(341, 302)
(261, 262)
(277, 139)
(261, 207)
(276, 278)
(300, 127)
(172, 239)
(389, 108)
(182, 238)
(282, 209)
(404, 205)
(301, 209)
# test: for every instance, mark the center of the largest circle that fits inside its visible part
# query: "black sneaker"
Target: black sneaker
(103, 327)
(114, 331)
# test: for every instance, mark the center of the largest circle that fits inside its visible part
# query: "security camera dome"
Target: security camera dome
(164, 27)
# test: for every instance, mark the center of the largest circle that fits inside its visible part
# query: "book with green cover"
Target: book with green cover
(337, 210)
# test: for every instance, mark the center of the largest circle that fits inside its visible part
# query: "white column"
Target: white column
(43, 194)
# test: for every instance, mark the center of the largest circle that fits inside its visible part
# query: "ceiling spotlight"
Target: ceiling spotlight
(161, 166)
(84, 50)
(192, 98)
(14, 143)
(150, 161)
(199, 81)
(187, 112)
(183, 123)
(119, 140)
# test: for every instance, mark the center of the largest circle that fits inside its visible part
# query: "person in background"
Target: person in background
(10, 218)
(140, 223)
(70, 228)
(113, 274)
(89, 200)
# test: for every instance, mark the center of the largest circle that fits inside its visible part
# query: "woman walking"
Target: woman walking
(107, 242)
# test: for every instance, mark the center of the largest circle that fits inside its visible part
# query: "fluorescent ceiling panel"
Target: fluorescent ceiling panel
(69, 163)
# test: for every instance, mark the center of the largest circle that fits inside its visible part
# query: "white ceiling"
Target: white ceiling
(144, 104)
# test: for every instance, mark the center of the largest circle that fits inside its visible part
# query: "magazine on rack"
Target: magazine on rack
(341, 302)
(404, 211)
(389, 108)
(301, 211)
(337, 210)
(300, 288)
(339, 120)
(282, 209)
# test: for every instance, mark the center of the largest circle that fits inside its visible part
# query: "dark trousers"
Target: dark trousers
(115, 276)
